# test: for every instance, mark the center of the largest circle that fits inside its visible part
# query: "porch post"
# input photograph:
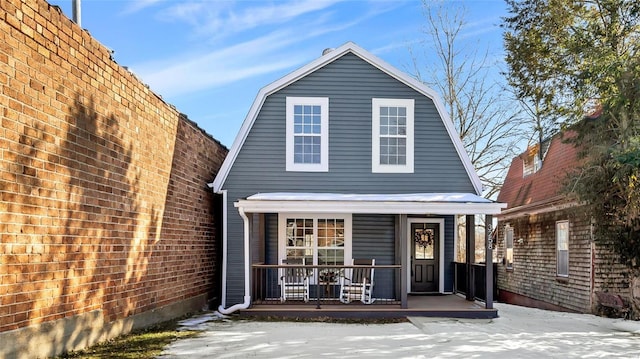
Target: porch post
(488, 260)
(404, 254)
(470, 254)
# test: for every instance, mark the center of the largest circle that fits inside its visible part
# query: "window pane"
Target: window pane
(562, 235)
(326, 249)
(307, 149)
(562, 242)
(393, 131)
(424, 242)
(307, 158)
(563, 263)
(509, 247)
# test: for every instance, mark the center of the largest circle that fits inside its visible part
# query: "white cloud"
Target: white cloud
(280, 49)
(214, 69)
(220, 18)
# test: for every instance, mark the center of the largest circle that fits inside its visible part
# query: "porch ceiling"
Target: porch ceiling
(411, 203)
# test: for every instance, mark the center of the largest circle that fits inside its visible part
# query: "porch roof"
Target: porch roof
(405, 203)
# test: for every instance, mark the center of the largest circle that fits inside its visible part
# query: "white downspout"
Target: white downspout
(247, 269)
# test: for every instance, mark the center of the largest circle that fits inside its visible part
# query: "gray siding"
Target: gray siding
(350, 83)
(374, 237)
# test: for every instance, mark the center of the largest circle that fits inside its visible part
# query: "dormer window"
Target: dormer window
(531, 165)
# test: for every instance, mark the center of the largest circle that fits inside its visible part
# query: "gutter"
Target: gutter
(247, 272)
(553, 204)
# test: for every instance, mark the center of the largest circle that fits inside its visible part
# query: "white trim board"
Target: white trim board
(320, 62)
(417, 203)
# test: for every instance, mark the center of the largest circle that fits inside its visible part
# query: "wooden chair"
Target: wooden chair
(294, 282)
(357, 283)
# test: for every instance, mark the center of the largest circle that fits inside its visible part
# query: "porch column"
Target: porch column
(404, 253)
(470, 254)
(488, 260)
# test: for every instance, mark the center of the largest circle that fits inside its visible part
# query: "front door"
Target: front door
(425, 239)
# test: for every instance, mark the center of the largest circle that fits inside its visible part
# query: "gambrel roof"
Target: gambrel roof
(544, 187)
(327, 58)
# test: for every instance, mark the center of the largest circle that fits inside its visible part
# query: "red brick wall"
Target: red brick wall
(103, 197)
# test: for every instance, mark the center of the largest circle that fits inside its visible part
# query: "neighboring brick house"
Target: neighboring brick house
(106, 224)
(545, 238)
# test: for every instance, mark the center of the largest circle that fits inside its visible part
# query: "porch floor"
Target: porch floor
(450, 306)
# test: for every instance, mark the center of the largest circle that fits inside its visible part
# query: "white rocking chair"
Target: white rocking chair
(357, 283)
(294, 282)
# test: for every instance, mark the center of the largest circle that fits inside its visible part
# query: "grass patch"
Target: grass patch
(139, 344)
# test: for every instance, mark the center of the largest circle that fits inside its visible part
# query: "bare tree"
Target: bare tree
(476, 102)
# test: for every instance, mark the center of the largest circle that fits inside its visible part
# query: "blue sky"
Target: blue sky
(209, 58)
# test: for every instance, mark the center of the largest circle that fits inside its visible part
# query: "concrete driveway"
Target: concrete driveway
(518, 333)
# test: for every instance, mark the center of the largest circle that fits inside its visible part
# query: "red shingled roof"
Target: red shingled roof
(543, 186)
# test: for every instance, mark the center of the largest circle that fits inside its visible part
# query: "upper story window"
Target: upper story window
(307, 134)
(392, 135)
(531, 165)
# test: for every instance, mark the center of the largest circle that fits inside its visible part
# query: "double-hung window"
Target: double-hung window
(562, 246)
(392, 135)
(316, 239)
(307, 131)
(508, 247)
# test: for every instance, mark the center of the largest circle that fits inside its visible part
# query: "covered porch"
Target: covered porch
(447, 305)
(321, 296)
(404, 261)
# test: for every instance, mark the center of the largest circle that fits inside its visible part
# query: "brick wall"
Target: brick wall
(103, 198)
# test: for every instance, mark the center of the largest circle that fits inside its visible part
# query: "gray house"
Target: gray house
(345, 158)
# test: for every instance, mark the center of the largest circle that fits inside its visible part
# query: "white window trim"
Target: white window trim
(558, 251)
(323, 166)
(507, 229)
(376, 167)
(282, 232)
(529, 168)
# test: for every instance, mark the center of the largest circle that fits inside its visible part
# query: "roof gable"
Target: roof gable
(545, 185)
(322, 61)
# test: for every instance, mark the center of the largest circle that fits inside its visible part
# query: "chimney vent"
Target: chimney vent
(77, 12)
